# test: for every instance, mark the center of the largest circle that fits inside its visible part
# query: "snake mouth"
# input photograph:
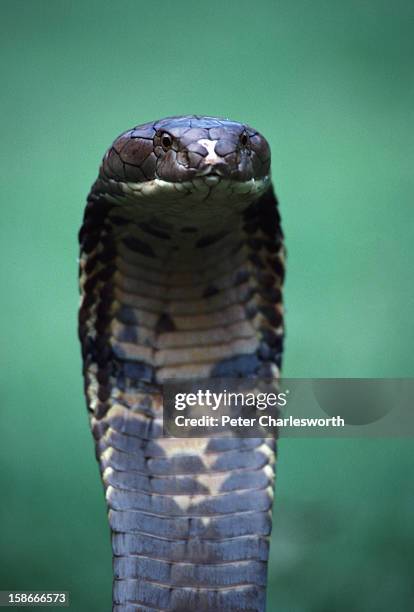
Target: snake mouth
(158, 186)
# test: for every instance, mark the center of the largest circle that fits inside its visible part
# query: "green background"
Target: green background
(330, 83)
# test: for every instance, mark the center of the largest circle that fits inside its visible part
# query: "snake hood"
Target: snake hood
(181, 272)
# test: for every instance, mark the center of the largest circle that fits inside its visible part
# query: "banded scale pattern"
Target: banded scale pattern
(181, 269)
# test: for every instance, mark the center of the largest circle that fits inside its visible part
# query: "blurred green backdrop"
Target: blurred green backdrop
(330, 83)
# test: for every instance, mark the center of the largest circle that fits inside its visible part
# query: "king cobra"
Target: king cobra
(181, 269)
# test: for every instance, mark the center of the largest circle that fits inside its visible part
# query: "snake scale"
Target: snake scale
(181, 270)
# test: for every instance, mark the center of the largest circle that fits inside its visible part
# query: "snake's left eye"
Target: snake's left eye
(166, 141)
(244, 139)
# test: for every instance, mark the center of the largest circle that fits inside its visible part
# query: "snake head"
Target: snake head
(180, 149)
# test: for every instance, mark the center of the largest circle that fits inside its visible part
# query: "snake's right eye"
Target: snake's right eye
(166, 141)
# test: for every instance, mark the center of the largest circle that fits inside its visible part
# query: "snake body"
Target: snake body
(181, 269)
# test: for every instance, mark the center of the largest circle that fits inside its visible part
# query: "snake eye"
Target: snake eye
(244, 139)
(166, 141)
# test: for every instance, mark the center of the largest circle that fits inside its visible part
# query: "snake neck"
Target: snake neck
(180, 298)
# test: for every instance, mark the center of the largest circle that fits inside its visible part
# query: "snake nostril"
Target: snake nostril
(182, 158)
